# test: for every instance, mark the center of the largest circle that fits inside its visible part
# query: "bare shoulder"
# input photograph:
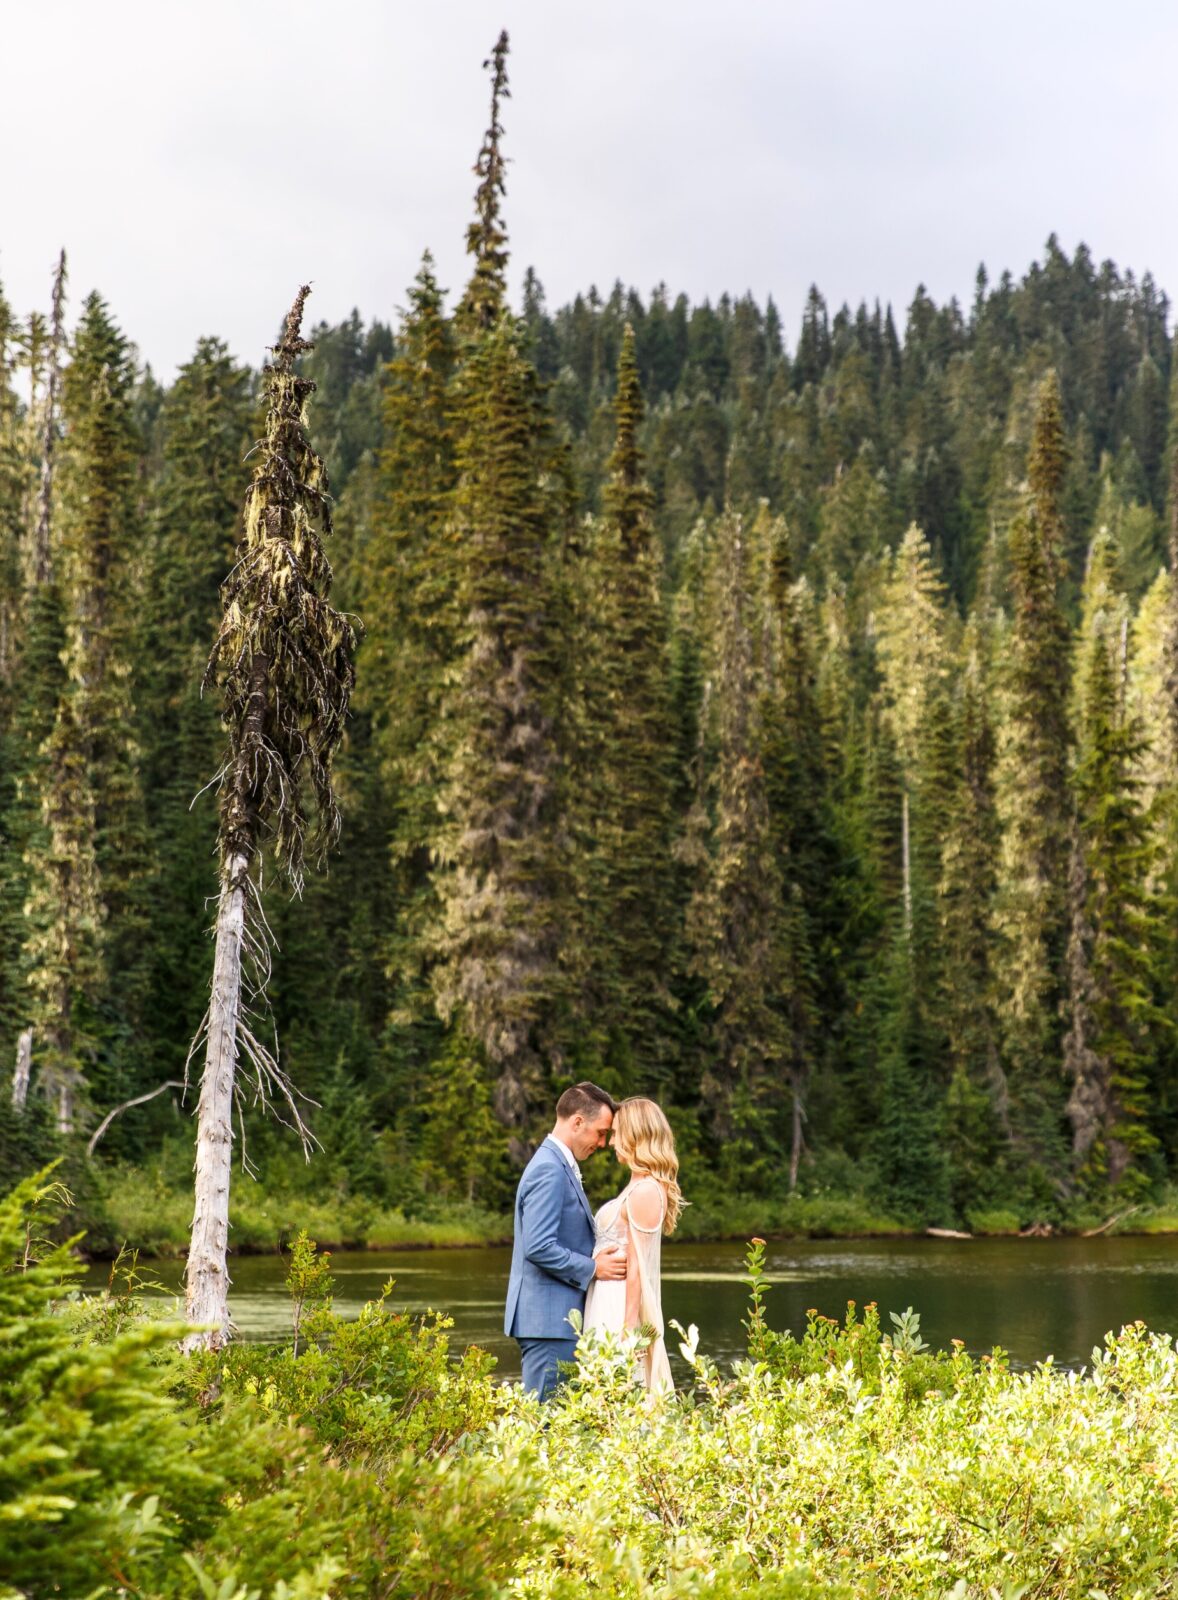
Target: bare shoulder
(647, 1203)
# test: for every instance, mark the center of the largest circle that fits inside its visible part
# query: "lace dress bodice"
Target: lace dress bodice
(606, 1303)
(610, 1224)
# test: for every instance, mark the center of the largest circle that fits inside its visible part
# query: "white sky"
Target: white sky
(200, 160)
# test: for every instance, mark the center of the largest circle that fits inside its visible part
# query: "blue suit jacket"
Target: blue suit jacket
(552, 1252)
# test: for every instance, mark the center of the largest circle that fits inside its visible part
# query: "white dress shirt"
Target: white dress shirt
(568, 1155)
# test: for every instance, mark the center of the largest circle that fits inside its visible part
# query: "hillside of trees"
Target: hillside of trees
(779, 717)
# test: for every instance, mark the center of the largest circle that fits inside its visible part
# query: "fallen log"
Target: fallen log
(1091, 1233)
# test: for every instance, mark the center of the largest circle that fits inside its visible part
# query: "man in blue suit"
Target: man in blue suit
(552, 1260)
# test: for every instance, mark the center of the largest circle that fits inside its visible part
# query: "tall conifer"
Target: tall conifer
(1112, 1022)
(495, 937)
(976, 1123)
(407, 584)
(735, 925)
(91, 854)
(626, 776)
(1033, 800)
(796, 787)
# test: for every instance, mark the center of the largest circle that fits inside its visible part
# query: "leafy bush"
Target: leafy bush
(369, 1389)
(859, 1347)
(145, 1208)
(125, 1469)
(357, 1460)
(823, 1482)
(100, 1477)
(993, 1222)
(811, 1216)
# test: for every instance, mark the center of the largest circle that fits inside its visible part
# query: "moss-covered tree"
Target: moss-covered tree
(282, 663)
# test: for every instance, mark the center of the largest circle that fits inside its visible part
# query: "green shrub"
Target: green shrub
(146, 1209)
(370, 1388)
(993, 1222)
(858, 1347)
(125, 1469)
(821, 1481)
(99, 1477)
(848, 1463)
(811, 1216)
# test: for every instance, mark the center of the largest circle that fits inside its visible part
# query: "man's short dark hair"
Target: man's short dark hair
(584, 1099)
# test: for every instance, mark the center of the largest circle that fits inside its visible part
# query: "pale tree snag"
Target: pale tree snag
(283, 662)
(208, 1273)
(24, 1068)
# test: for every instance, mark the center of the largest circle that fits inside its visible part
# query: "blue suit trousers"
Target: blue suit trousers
(539, 1359)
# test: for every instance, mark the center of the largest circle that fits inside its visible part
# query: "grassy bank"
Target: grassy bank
(142, 1209)
(134, 1207)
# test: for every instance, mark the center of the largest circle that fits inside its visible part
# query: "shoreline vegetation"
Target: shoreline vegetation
(851, 1462)
(136, 1211)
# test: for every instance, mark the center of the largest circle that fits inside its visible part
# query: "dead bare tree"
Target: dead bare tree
(283, 661)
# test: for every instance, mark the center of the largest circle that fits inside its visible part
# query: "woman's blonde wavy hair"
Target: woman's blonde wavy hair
(645, 1143)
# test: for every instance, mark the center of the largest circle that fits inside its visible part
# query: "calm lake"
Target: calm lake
(1034, 1297)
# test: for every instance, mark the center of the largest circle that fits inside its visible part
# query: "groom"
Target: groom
(552, 1261)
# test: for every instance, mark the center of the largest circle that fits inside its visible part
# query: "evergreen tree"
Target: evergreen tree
(499, 880)
(406, 582)
(624, 808)
(13, 489)
(495, 941)
(735, 924)
(1112, 1018)
(796, 787)
(13, 485)
(53, 344)
(1034, 804)
(37, 685)
(283, 663)
(84, 911)
(910, 627)
(486, 239)
(976, 1109)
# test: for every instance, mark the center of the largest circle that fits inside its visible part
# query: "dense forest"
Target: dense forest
(783, 723)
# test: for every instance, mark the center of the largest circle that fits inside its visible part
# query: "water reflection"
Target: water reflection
(1033, 1297)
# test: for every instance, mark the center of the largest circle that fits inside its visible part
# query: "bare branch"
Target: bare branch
(139, 1100)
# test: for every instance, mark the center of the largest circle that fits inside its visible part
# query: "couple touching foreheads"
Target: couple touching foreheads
(606, 1267)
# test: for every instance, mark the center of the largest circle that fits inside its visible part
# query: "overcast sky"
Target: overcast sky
(199, 160)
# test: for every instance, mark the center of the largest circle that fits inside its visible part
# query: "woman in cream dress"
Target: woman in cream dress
(634, 1222)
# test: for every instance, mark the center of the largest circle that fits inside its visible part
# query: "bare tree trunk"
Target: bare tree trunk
(65, 1105)
(906, 848)
(24, 1068)
(207, 1299)
(795, 1154)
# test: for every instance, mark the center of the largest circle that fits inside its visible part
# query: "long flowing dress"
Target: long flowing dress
(605, 1304)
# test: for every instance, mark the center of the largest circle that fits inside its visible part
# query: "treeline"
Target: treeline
(787, 731)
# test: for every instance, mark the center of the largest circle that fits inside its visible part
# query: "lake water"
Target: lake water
(1034, 1297)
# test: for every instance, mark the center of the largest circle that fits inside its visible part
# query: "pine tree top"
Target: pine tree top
(1049, 456)
(486, 238)
(628, 501)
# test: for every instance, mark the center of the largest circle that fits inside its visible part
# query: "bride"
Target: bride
(634, 1222)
